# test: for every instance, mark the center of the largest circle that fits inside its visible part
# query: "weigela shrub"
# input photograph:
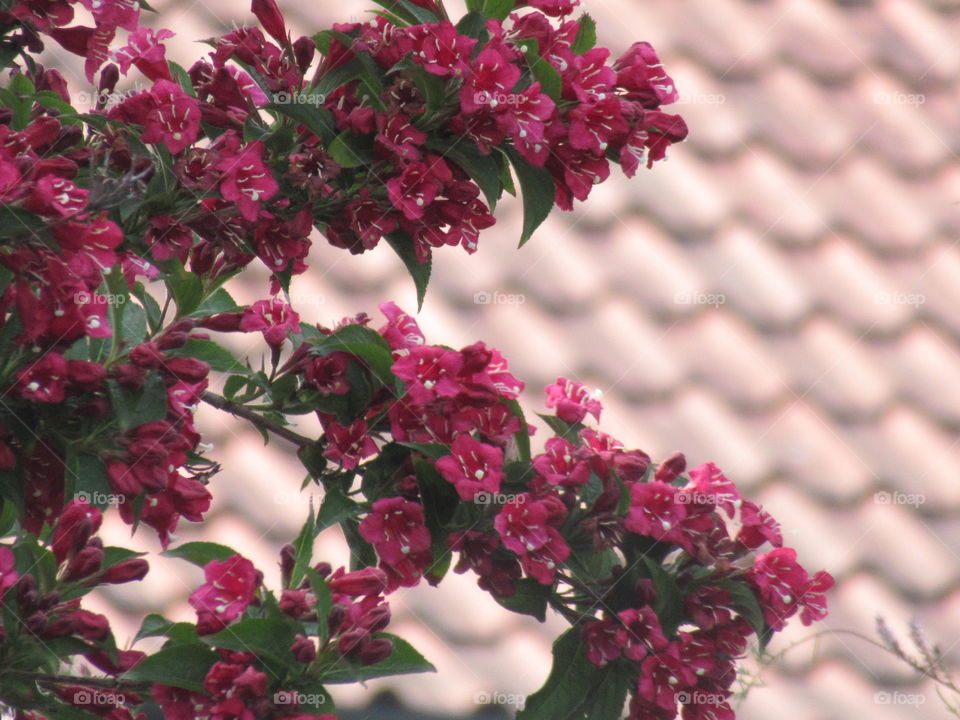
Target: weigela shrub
(120, 223)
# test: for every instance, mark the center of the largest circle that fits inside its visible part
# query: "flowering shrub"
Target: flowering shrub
(118, 229)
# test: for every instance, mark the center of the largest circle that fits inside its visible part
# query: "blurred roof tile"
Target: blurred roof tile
(917, 43)
(816, 36)
(834, 367)
(750, 274)
(925, 364)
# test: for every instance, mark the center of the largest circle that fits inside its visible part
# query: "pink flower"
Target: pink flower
(168, 115)
(492, 77)
(228, 591)
(784, 586)
(8, 575)
(396, 529)
(602, 641)
(56, 196)
(559, 464)
(594, 125)
(247, 180)
(641, 634)
(442, 50)
(114, 13)
(348, 446)
(145, 50)
(274, 317)
(524, 527)
(472, 467)
(662, 676)
(401, 330)
(412, 191)
(572, 400)
(44, 380)
(656, 511)
(641, 74)
(429, 372)
(77, 523)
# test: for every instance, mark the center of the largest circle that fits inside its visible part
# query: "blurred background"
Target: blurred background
(780, 297)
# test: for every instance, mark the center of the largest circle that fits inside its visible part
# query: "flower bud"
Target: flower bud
(36, 622)
(670, 469)
(126, 571)
(84, 563)
(377, 619)
(366, 581)
(303, 649)
(351, 640)
(323, 569)
(271, 18)
(288, 559)
(303, 51)
(146, 355)
(335, 618)
(376, 650)
(108, 79)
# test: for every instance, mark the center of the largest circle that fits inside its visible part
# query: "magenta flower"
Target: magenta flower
(397, 531)
(8, 575)
(145, 50)
(348, 446)
(656, 511)
(168, 115)
(44, 380)
(641, 74)
(247, 180)
(572, 400)
(472, 467)
(274, 318)
(228, 591)
(429, 372)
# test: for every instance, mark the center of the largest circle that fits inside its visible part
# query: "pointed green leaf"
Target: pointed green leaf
(402, 244)
(536, 186)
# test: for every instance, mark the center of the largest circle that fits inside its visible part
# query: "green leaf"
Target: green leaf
(498, 9)
(434, 451)
(365, 344)
(473, 24)
(323, 605)
(261, 636)
(86, 478)
(134, 324)
(568, 431)
(200, 553)
(335, 508)
(546, 74)
(317, 120)
(439, 497)
(362, 553)
(349, 150)
(152, 625)
(402, 244)
(571, 678)
(186, 289)
(745, 602)
(214, 354)
(586, 35)
(15, 222)
(482, 169)
(669, 600)
(219, 301)
(404, 660)
(536, 185)
(134, 408)
(149, 305)
(521, 436)
(530, 598)
(182, 666)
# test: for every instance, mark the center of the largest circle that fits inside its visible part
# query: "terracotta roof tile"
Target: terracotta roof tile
(776, 197)
(814, 139)
(730, 42)
(917, 43)
(726, 354)
(813, 452)
(868, 200)
(753, 278)
(717, 121)
(926, 367)
(641, 260)
(816, 35)
(850, 284)
(834, 367)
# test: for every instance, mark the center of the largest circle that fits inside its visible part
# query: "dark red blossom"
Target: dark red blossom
(229, 588)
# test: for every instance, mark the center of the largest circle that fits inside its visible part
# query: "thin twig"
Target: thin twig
(254, 418)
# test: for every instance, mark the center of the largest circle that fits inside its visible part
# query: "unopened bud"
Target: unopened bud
(376, 650)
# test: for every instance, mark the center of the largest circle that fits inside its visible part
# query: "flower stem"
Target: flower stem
(259, 421)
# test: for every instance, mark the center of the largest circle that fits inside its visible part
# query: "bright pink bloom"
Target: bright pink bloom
(274, 317)
(641, 74)
(602, 640)
(56, 196)
(114, 13)
(229, 588)
(168, 115)
(487, 86)
(572, 400)
(442, 50)
(656, 511)
(44, 380)
(348, 446)
(247, 180)
(396, 529)
(145, 50)
(559, 464)
(524, 527)
(429, 372)
(784, 586)
(401, 330)
(663, 675)
(472, 467)
(8, 575)
(641, 633)
(77, 523)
